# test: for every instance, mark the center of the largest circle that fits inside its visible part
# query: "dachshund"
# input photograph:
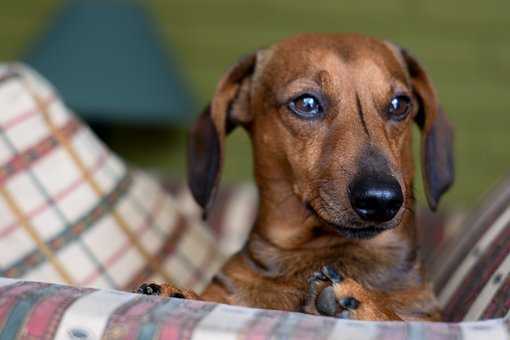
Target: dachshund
(330, 119)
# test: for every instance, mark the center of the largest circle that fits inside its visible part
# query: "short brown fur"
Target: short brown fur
(303, 169)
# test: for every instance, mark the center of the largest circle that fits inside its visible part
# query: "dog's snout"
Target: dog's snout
(376, 199)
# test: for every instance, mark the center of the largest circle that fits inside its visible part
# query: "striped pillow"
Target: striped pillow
(72, 212)
(42, 311)
(471, 272)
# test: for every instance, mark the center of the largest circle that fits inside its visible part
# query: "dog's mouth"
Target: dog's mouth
(357, 233)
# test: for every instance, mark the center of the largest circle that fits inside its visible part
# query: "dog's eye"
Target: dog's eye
(399, 107)
(306, 106)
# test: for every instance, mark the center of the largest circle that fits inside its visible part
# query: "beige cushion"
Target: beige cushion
(72, 212)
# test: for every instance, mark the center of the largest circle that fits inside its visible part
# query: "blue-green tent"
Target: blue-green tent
(107, 62)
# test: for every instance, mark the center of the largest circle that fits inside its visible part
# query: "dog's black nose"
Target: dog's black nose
(376, 199)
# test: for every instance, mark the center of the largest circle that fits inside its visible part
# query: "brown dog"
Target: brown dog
(330, 118)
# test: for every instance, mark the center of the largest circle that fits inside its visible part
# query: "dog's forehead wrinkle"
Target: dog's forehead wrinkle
(328, 81)
(359, 109)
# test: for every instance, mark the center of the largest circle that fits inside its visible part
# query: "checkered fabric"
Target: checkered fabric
(231, 216)
(72, 212)
(43, 311)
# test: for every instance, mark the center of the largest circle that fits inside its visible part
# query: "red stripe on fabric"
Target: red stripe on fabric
(148, 221)
(170, 330)
(43, 320)
(26, 158)
(500, 302)
(98, 165)
(39, 321)
(478, 276)
(18, 119)
(5, 307)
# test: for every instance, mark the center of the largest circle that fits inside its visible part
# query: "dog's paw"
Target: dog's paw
(328, 294)
(166, 290)
(332, 294)
(149, 289)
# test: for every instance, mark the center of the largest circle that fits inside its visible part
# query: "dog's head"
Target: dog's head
(332, 116)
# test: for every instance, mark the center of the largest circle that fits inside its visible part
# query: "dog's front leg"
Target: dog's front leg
(331, 294)
(166, 290)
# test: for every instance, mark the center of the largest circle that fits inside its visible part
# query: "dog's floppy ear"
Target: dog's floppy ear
(437, 134)
(228, 108)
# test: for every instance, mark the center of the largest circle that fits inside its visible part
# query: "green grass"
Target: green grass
(465, 46)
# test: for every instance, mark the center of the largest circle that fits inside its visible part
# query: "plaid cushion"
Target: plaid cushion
(72, 212)
(231, 217)
(31, 310)
(471, 271)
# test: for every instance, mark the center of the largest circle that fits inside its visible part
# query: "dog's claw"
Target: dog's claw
(331, 274)
(316, 277)
(348, 303)
(149, 289)
(178, 295)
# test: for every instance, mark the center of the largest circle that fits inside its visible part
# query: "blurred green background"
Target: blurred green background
(465, 46)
